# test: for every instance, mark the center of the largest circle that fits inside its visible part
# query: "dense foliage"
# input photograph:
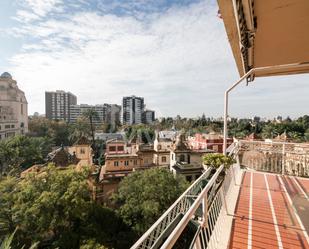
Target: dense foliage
(55, 209)
(143, 196)
(297, 130)
(60, 132)
(20, 152)
(215, 160)
(142, 133)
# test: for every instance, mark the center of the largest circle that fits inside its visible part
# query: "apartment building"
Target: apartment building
(13, 108)
(58, 103)
(106, 113)
(132, 110)
(148, 116)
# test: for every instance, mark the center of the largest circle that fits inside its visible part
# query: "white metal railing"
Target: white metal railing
(150, 238)
(277, 157)
(212, 234)
(202, 199)
(210, 198)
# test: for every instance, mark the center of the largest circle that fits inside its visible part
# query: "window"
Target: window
(21, 109)
(135, 162)
(120, 148)
(116, 163)
(112, 148)
(82, 151)
(182, 158)
(163, 159)
(189, 159)
(159, 147)
(126, 163)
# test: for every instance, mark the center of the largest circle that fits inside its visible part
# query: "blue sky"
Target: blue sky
(174, 53)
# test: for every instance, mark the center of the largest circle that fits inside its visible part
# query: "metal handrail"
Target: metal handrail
(187, 204)
(171, 240)
(180, 200)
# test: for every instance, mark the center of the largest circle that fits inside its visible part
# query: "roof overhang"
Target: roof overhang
(266, 34)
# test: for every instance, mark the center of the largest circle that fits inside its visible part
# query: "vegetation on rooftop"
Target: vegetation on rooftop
(215, 160)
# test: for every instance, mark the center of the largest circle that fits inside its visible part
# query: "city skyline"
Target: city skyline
(104, 50)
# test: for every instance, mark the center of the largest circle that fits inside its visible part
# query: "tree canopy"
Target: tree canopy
(144, 195)
(20, 152)
(54, 208)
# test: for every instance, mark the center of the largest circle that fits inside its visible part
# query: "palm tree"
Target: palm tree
(91, 115)
(79, 129)
(7, 242)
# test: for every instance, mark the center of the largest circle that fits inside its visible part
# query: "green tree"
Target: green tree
(141, 132)
(91, 244)
(144, 195)
(8, 242)
(54, 208)
(20, 152)
(81, 128)
(58, 131)
(91, 115)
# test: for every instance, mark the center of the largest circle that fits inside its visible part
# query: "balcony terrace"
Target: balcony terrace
(264, 205)
(250, 209)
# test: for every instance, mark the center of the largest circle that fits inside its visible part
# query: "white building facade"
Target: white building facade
(13, 108)
(106, 113)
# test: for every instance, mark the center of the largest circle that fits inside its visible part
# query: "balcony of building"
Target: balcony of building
(262, 205)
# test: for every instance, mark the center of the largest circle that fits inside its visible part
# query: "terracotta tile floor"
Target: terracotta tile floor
(272, 212)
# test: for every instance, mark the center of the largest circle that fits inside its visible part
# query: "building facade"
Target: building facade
(77, 111)
(185, 160)
(114, 114)
(58, 103)
(106, 113)
(13, 108)
(83, 152)
(132, 110)
(162, 147)
(208, 142)
(148, 116)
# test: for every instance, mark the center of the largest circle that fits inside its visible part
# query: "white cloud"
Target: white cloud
(42, 7)
(36, 9)
(179, 59)
(25, 16)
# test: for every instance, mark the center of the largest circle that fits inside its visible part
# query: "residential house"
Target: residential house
(210, 141)
(185, 160)
(162, 147)
(83, 151)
